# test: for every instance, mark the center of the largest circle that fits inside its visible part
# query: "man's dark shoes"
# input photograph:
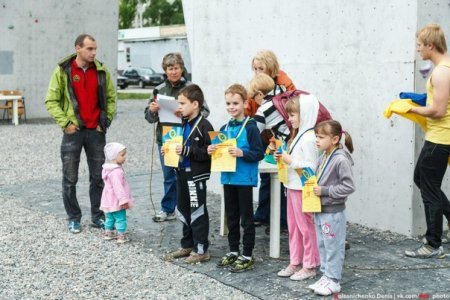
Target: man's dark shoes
(99, 223)
(74, 226)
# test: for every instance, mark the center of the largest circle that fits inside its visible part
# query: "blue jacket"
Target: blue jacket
(249, 141)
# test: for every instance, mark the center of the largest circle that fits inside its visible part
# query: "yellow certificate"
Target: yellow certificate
(310, 202)
(282, 171)
(221, 160)
(282, 168)
(171, 158)
(172, 137)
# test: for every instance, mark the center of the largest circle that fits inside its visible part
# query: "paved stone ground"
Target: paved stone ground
(375, 265)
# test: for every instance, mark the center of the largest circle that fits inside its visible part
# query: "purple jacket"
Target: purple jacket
(336, 181)
(116, 191)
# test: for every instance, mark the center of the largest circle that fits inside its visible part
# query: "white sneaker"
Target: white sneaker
(317, 283)
(328, 287)
(163, 216)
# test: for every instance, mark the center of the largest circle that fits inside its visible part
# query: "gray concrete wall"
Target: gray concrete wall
(38, 34)
(356, 56)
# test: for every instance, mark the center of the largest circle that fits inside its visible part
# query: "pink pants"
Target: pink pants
(302, 234)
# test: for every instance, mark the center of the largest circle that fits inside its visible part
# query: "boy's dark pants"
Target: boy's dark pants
(428, 176)
(191, 205)
(239, 209)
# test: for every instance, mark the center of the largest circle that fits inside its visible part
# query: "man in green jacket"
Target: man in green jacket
(81, 99)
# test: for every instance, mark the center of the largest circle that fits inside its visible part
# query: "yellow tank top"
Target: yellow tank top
(438, 129)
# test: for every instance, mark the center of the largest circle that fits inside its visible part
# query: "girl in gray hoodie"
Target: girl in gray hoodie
(335, 183)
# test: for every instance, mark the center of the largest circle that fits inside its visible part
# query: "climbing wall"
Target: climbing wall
(356, 56)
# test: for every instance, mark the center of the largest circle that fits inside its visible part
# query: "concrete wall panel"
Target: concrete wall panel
(356, 56)
(40, 33)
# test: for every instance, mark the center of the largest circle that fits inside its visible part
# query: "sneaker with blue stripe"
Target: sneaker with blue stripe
(74, 226)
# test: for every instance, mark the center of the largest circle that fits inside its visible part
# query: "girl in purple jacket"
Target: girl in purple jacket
(116, 197)
(335, 183)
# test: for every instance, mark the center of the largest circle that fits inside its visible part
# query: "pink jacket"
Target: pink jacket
(116, 191)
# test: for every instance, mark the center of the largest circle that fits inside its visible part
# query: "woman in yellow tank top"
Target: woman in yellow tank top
(432, 163)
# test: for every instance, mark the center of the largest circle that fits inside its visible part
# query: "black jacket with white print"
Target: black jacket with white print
(197, 149)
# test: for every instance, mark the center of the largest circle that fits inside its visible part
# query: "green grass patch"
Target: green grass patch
(133, 96)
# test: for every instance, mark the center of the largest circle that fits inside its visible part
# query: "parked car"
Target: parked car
(122, 82)
(142, 77)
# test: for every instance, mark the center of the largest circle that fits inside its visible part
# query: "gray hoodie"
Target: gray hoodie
(336, 182)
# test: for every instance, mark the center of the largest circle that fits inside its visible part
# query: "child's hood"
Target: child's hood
(108, 168)
(345, 153)
(309, 109)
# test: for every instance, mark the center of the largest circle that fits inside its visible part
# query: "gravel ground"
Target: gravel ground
(40, 259)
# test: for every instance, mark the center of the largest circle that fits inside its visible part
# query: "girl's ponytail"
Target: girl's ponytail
(348, 141)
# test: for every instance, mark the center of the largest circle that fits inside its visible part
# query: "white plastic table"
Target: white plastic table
(15, 99)
(275, 207)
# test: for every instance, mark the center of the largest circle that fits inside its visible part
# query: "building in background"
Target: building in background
(35, 35)
(145, 47)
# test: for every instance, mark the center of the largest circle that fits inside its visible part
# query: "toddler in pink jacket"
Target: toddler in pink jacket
(116, 197)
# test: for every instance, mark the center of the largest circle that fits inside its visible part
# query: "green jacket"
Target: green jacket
(62, 104)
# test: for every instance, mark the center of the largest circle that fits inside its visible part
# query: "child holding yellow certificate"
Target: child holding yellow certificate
(192, 173)
(301, 157)
(238, 185)
(335, 183)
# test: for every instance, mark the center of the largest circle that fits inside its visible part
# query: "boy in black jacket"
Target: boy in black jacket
(192, 173)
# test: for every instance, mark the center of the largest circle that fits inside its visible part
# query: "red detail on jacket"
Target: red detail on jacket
(85, 86)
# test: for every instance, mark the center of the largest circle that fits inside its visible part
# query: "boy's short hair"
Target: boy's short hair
(432, 34)
(269, 59)
(238, 89)
(172, 59)
(193, 93)
(261, 82)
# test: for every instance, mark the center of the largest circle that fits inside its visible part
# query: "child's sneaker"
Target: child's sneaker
(318, 283)
(227, 260)
(289, 271)
(426, 251)
(242, 264)
(304, 274)
(109, 235)
(179, 253)
(194, 257)
(164, 216)
(328, 287)
(122, 238)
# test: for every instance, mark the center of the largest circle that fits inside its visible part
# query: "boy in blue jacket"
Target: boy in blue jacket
(238, 185)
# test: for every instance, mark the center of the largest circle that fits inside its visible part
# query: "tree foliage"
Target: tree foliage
(157, 13)
(127, 13)
(161, 12)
